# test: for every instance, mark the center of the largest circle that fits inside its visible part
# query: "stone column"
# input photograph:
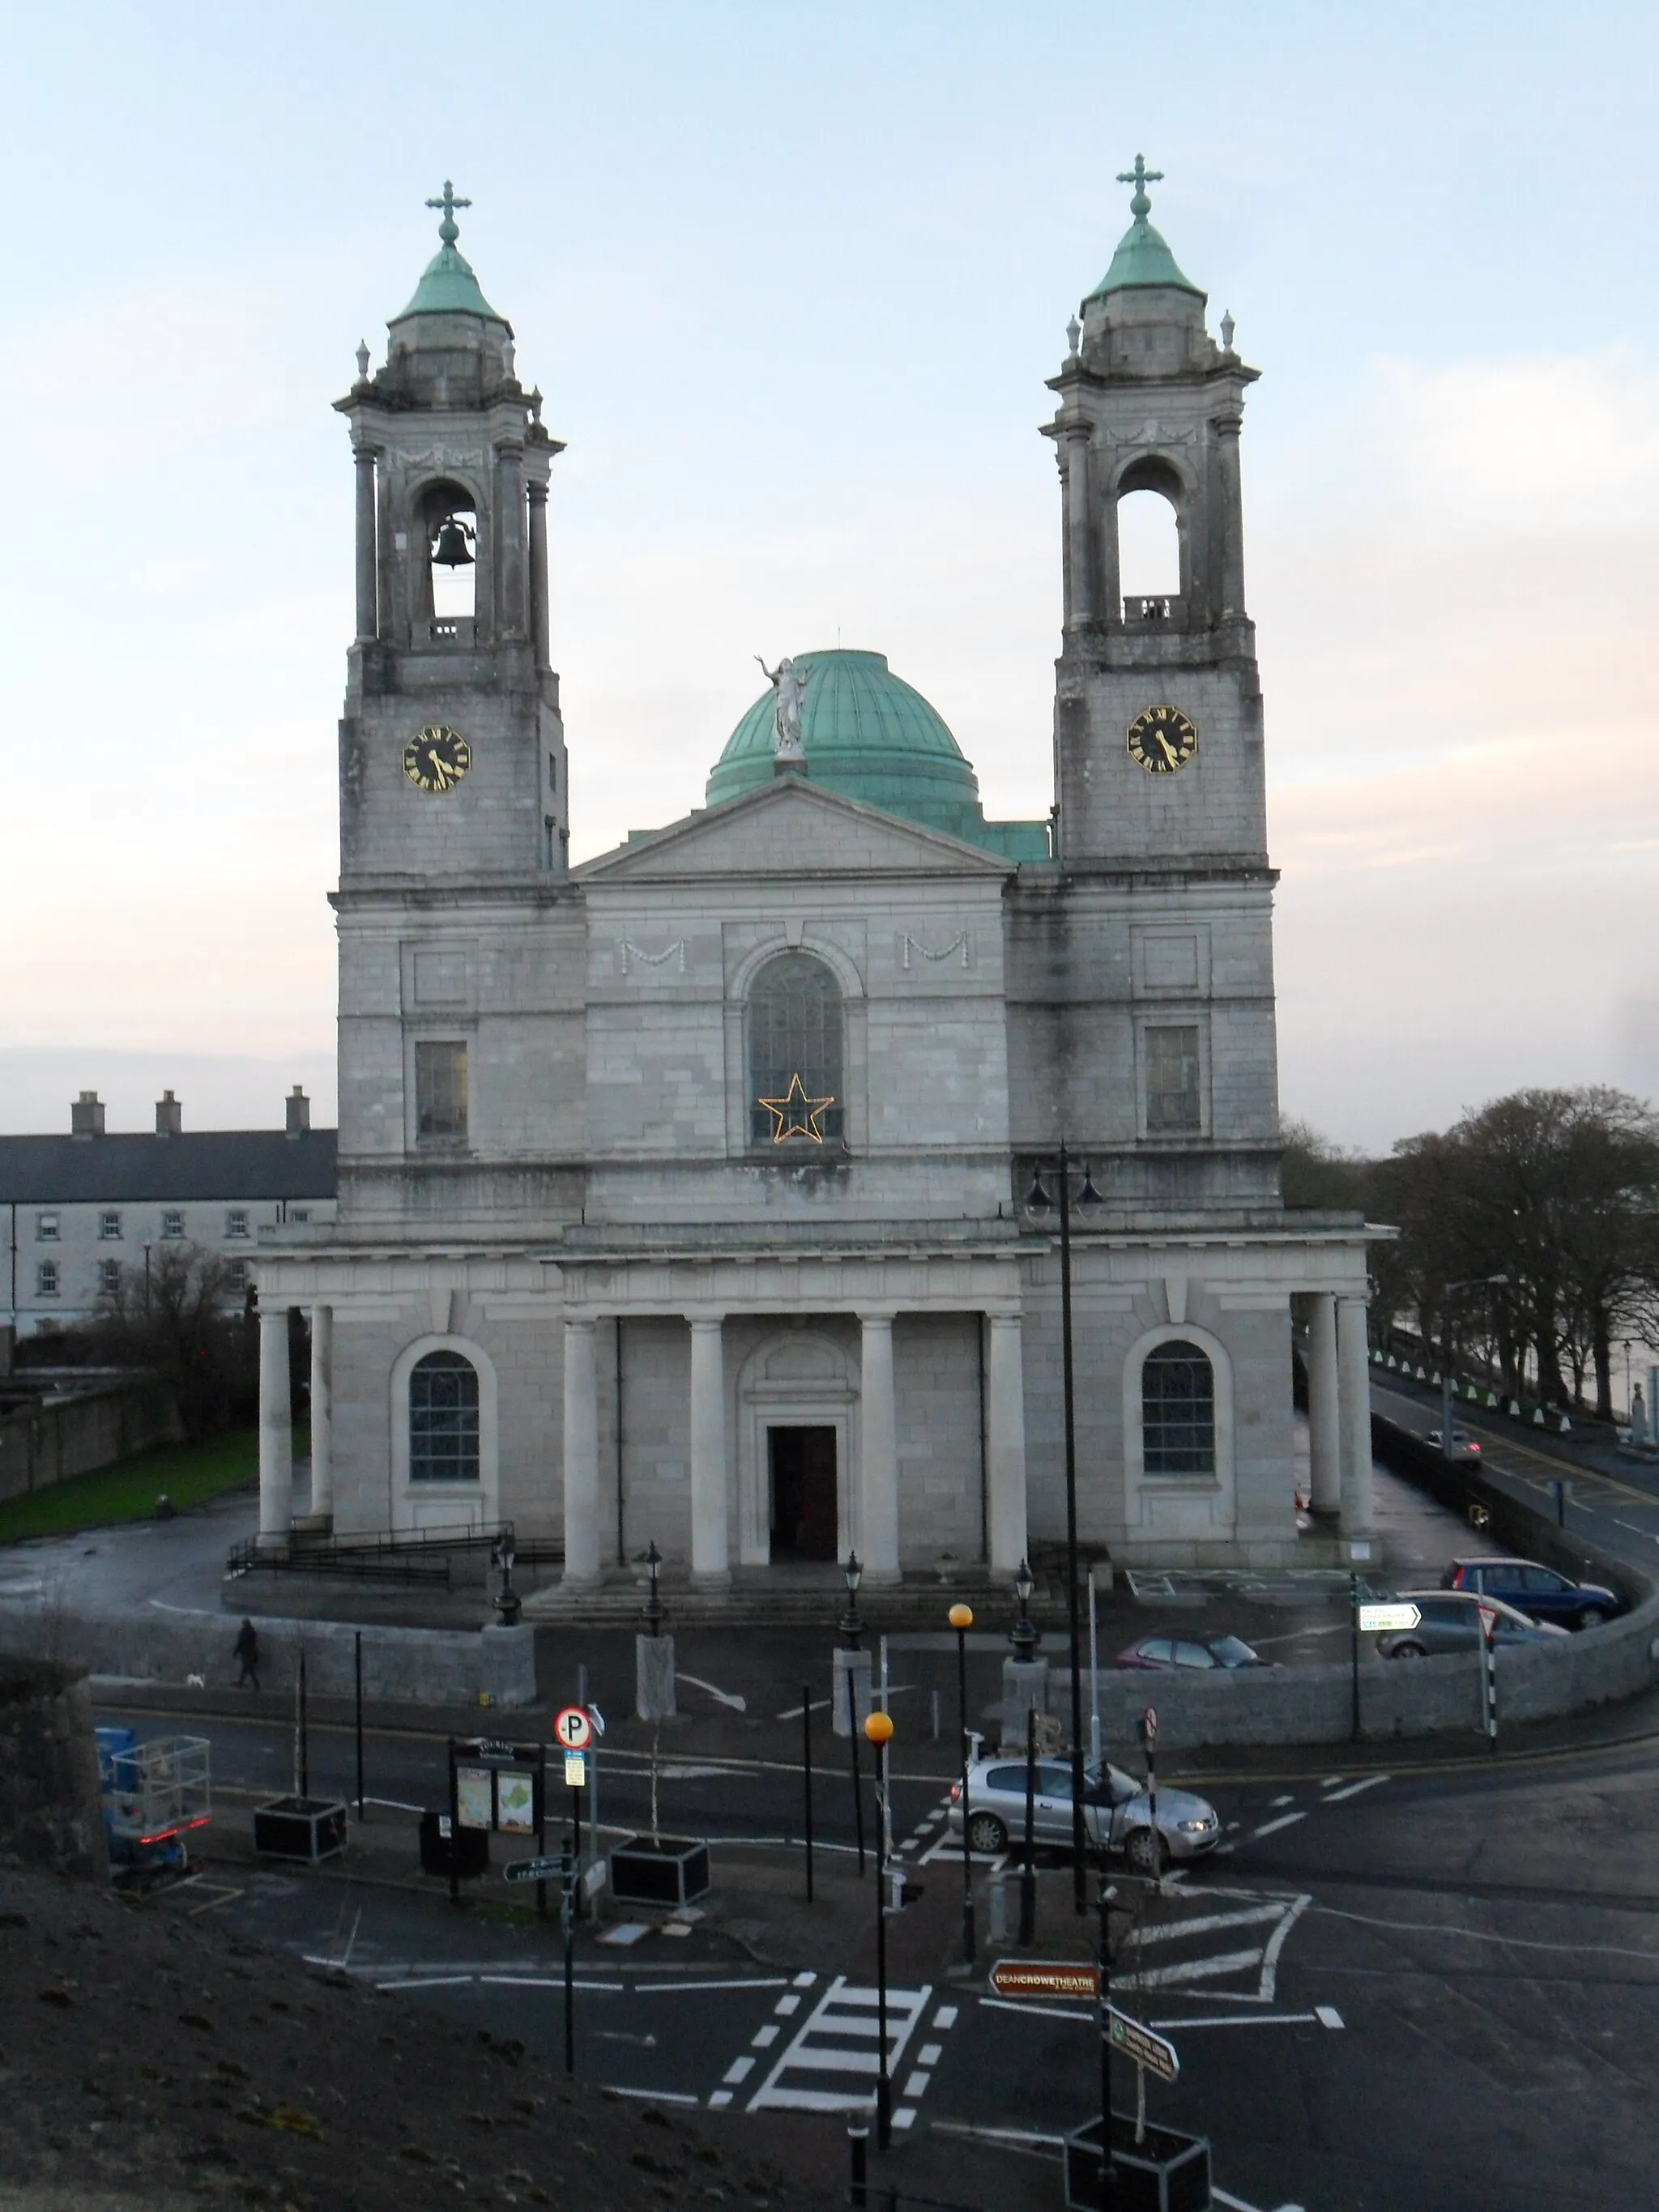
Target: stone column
(711, 1556)
(367, 581)
(510, 527)
(581, 1456)
(1354, 1398)
(1005, 1443)
(878, 1452)
(1324, 1427)
(322, 1411)
(1230, 597)
(275, 1430)
(1080, 598)
(538, 615)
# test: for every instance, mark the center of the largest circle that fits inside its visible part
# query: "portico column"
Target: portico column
(368, 579)
(878, 1452)
(582, 1455)
(711, 1560)
(322, 1410)
(1354, 1396)
(1080, 596)
(1004, 1444)
(275, 1430)
(1324, 1428)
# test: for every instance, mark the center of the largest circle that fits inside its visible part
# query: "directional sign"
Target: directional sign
(1026, 1977)
(1386, 1620)
(1149, 1725)
(1142, 2045)
(533, 1870)
(572, 1729)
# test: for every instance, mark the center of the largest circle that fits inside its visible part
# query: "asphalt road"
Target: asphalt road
(1427, 1990)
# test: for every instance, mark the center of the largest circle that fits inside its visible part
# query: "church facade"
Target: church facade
(707, 1194)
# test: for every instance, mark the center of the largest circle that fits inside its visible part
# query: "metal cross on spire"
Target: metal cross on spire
(1140, 176)
(449, 230)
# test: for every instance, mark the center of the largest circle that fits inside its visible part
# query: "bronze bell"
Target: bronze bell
(450, 551)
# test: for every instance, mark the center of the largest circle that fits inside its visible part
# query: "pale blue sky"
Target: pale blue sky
(792, 278)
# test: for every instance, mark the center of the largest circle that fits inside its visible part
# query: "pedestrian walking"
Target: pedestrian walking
(246, 1649)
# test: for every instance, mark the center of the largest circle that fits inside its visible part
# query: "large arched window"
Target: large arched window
(1177, 1410)
(795, 1054)
(443, 1419)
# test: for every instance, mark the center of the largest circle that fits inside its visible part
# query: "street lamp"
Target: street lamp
(507, 1599)
(1037, 1201)
(878, 1727)
(1025, 1635)
(651, 1560)
(851, 1627)
(961, 1617)
(1447, 1378)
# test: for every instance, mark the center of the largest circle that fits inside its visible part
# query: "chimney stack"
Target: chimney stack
(299, 1111)
(87, 1115)
(169, 1116)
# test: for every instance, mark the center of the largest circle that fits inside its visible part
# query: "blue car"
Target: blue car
(1538, 1592)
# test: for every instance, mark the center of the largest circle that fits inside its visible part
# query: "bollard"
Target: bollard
(936, 1716)
(996, 1908)
(858, 2143)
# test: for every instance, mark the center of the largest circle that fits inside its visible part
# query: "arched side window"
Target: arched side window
(1177, 1410)
(795, 1054)
(443, 1419)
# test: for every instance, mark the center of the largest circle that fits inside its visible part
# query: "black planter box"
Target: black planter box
(1164, 2172)
(466, 1854)
(672, 1870)
(308, 1828)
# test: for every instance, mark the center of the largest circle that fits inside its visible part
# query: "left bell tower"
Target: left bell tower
(451, 747)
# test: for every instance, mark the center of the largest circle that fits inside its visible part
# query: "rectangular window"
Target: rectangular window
(109, 1228)
(109, 1277)
(236, 1221)
(172, 1225)
(45, 1228)
(299, 1214)
(236, 1276)
(46, 1279)
(1172, 1079)
(439, 1090)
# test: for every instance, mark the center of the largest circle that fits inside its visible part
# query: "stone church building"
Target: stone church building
(707, 1193)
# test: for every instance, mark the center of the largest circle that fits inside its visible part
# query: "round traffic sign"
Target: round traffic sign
(572, 1729)
(1149, 1723)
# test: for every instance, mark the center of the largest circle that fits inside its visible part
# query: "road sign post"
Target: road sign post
(568, 1923)
(1388, 1619)
(1488, 1676)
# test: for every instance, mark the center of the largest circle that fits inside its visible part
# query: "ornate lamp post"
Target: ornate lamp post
(1025, 1635)
(878, 1727)
(851, 1627)
(1037, 1201)
(651, 1561)
(507, 1602)
(961, 1617)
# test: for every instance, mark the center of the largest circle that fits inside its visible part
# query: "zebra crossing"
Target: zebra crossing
(831, 2061)
(1228, 1950)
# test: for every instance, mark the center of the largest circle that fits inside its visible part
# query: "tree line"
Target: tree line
(1556, 1191)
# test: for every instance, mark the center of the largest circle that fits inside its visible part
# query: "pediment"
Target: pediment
(794, 829)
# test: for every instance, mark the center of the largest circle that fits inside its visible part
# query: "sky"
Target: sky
(792, 278)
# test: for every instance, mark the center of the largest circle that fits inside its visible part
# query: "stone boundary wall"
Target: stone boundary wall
(412, 1666)
(49, 1815)
(1421, 1697)
(90, 1425)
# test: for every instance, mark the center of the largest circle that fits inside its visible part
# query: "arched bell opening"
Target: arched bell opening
(1152, 543)
(446, 579)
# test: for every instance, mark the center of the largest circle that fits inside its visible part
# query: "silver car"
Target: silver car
(1116, 1810)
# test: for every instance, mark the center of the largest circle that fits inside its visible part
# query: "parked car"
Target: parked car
(1464, 1446)
(1450, 1622)
(1161, 1653)
(1117, 1809)
(1538, 1592)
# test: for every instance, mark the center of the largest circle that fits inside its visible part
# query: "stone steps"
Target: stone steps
(761, 1605)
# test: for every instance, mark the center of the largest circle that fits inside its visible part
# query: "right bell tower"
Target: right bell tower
(1157, 710)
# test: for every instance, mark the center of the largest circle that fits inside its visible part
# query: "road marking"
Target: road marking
(720, 2096)
(1278, 1801)
(1354, 1788)
(1085, 2013)
(1329, 2016)
(1323, 2015)
(656, 2096)
(819, 1705)
(1331, 1781)
(1272, 1827)
(427, 1982)
(836, 2038)
(917, 2084)
(945, 2016)
(1205, 1925)
(764, 2037)
(929, 2054)
(756, 1982)
(1015, 2138)
(738, 2070)
(785, 2006)
(721, 1697)
(805, 1979)
(1198, 1970)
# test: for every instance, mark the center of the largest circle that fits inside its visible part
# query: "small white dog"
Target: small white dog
(195, 1681)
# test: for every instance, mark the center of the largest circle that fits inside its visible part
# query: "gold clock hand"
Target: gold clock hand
(1169, 750)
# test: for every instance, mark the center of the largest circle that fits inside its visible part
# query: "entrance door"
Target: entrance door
(803, 1472)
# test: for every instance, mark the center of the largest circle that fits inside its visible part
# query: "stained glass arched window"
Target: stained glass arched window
(795, 1054)
(1177, 1410)
(443, 1419)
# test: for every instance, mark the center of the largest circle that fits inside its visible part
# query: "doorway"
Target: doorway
(802, 1486)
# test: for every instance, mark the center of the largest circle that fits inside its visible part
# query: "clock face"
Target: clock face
(1163, 740)
(436, 758)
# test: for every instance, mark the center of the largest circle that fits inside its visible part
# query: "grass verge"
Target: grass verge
(128, 1490)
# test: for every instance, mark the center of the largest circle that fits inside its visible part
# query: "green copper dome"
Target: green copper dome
(449, 287)
(1143, 257)
(870, 736)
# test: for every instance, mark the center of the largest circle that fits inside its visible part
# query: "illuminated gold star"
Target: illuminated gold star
(795, 1115)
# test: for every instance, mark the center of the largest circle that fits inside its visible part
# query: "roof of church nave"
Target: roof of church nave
(871, 737)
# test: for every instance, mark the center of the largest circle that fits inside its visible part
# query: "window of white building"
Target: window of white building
(46, 1279)
(443, 1419)
(45, 1228)
(236, 1222)
(173, 1226)
(109, 1277)
(795, 1054)
(1174, 1103)
(439, 1090)
(1177, 1401)
(109, 1228)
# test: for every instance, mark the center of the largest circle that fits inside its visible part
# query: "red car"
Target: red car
(1163, 1654)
